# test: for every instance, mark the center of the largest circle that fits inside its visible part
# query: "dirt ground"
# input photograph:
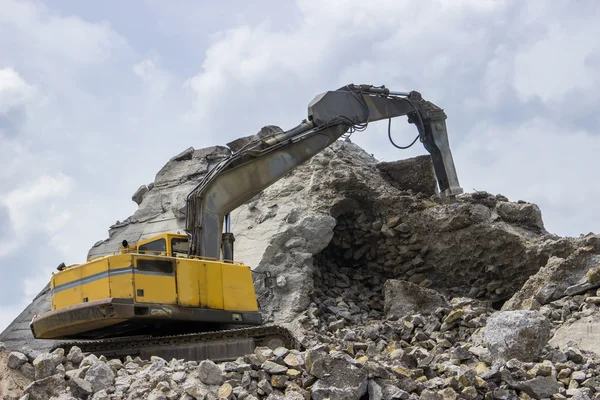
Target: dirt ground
(12, 383)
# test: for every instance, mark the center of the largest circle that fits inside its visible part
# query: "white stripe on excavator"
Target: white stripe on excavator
(106, 274)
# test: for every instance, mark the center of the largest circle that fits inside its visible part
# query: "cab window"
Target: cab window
(155, 247)
(179, 247)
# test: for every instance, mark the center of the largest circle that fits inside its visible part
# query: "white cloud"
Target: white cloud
(556, 64)
(70, 39)
(14, 91)
(33, 207)
(155, 78)
(335, 43)
(14, 156)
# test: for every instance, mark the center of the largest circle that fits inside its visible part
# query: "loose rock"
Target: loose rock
(44, 365)
(45, 388)
(209, 373)
(517, 334)
(16, 359)
(100, 376)
(338, 379)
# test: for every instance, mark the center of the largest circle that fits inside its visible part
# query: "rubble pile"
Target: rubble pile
(425, 242)
(463, 349)
(571, 309)
(392, 292)
(368, 248)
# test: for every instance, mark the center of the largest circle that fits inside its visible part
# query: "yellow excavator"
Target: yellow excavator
(184, 296)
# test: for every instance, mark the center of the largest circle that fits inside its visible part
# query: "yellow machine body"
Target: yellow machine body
(147, 286)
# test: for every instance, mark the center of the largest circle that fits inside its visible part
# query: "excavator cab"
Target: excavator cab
(168, 244)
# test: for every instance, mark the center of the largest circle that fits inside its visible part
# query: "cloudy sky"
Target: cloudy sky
(96, 96)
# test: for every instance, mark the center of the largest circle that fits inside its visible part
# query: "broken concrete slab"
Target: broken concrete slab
(583, 333)
(561, 274)
(139, 194)
(415, 175)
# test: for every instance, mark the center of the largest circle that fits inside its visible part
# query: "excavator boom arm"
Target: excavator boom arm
(262, 162)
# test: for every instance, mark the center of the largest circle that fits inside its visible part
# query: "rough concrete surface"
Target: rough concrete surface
(417, 176)
(403, 298)
(583, 333)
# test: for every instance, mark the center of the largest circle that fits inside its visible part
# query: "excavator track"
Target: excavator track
(218, 346)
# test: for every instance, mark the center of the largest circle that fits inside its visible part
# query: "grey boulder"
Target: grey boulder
(75, 355)
(516, 334)
(80, 387)
(100, 376)
(44, 365)
(338, 380)
(209, 373)
(43, 389)
(16, 359)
